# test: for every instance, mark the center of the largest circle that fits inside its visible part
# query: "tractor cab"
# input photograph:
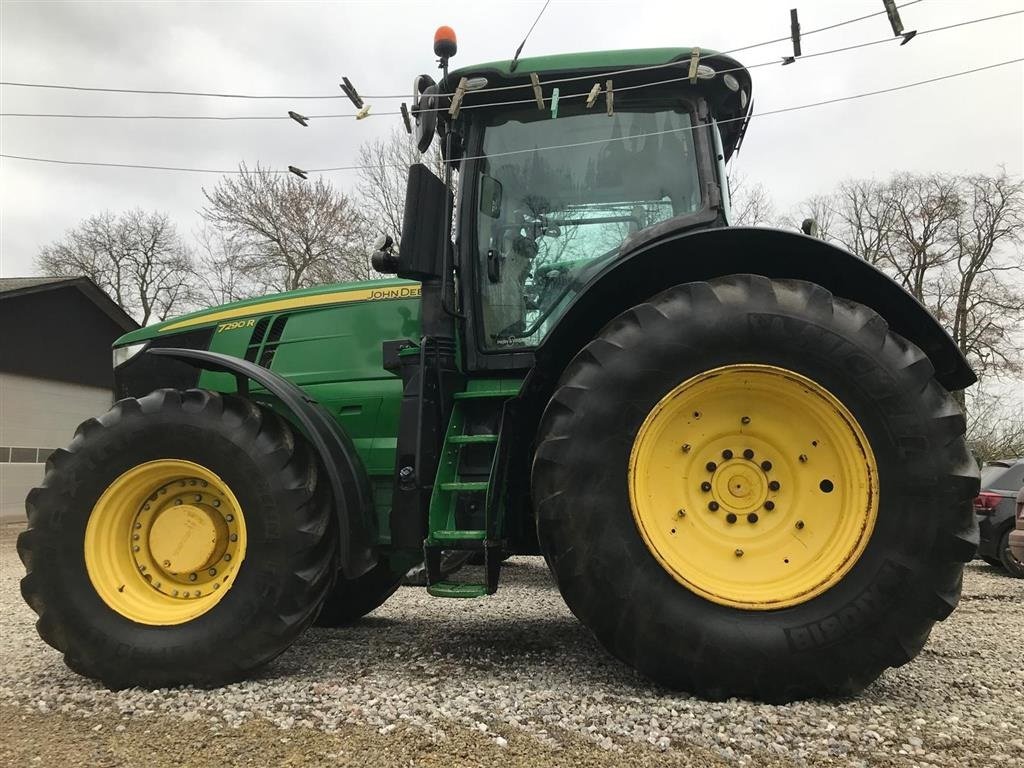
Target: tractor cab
(561, 162)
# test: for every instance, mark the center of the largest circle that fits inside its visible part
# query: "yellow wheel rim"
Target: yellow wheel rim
(753, 486)
(164, 542)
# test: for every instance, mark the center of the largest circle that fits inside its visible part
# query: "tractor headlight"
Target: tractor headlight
(123, 354)
(731, 82)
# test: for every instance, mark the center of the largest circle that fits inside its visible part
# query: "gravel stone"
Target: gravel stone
(518, 675)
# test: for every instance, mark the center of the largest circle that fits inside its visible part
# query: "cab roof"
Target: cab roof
(581, 62)
(631, 67)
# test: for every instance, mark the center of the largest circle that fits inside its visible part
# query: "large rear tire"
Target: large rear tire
(789, 585)
(182, 538)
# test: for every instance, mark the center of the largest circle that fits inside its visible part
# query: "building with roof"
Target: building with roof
(55, 372)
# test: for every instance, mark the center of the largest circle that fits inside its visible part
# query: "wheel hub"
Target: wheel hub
(164, 542)
(739, 486)
(753, 486)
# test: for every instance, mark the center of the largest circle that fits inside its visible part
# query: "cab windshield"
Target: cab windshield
(557, 197)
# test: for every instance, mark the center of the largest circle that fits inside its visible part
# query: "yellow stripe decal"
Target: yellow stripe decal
(300, 302)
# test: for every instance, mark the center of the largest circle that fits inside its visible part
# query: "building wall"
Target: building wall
(37, 416)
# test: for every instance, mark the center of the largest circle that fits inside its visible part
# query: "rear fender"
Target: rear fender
(349, 482)
(683, 257)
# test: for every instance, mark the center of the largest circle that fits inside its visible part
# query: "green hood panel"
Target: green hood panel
(291, 301)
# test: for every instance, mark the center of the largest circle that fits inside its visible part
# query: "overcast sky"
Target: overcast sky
(971, 124)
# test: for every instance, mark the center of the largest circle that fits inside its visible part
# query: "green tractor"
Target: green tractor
(736, 449)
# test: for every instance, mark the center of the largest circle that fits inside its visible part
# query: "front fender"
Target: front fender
(672, 258)
(353, 501)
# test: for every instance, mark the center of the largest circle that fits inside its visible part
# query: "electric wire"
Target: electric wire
(159, 92)
(767, 113)
(531, 100)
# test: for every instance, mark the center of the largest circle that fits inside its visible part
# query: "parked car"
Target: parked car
(1016, 539)
(996, 508)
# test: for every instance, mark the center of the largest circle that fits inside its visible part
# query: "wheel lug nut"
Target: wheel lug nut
(135, 548)
(769, 505)
(774, 485)
(766, 466)
(730, 518)
(752, 518)
(167, 563)
(227, 556)
(745, 420)
(192, 577)
(711, 466)
(234, 537)
(803, 458)
(726, 454)
(199, 497)
(713, 506)
(680, 513)
(138, 525)
(705, 486)
(739, 553)
(177, 501)
(748, 454)
(686, 448)
(216, 502)
(799, 525)
(212, 571)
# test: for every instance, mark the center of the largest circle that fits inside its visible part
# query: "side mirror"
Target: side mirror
(490, 196)
(384, 259)
(425, 230)
(424, 110)
(809, 227)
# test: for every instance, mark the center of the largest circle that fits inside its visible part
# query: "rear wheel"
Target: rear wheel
(1007, 560)
(182, 538)
(751, 488)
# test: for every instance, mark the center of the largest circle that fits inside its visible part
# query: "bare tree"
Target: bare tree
(954, 242)
(752, 204)
(383, 178)
(283, 232)
(984, 298)
(995, 429)
(137, 257)
(862, 219)
(921, 212)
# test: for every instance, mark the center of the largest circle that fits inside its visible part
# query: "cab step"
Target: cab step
(473, 439)
(452, 589)
(455, 535)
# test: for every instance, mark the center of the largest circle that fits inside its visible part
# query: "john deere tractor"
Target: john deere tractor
(736, 449)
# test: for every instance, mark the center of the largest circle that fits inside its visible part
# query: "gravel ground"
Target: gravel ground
(512, 680)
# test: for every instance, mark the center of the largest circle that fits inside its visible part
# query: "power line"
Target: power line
(781, 110)
(161, 92)
(531, 100)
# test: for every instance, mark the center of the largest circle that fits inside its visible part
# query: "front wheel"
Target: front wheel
(182, 538)
(752, 488)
